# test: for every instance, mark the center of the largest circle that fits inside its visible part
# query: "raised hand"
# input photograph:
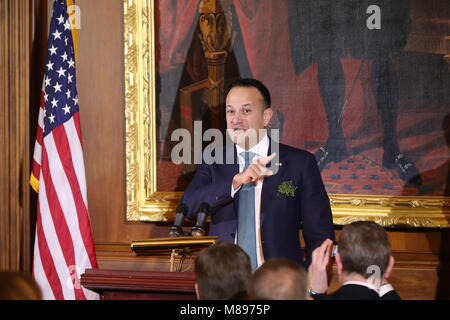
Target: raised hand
(317, 271)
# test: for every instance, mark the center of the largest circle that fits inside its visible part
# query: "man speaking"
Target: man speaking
(261, 209)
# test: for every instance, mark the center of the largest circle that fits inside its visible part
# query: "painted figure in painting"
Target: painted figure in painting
(324, 31)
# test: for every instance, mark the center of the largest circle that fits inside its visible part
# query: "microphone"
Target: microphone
(176, 230)
(203, 212)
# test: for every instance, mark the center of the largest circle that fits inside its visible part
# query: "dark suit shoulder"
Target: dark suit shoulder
(296, 152)
(303, 161)
(350, 292)
(391, 295)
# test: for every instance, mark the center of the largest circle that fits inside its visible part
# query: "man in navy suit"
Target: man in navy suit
(261, 209)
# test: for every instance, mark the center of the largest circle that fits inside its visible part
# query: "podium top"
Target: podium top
(163, 246)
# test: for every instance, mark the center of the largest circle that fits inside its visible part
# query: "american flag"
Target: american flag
(64, 246)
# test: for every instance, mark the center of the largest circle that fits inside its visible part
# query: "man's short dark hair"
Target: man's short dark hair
(363, 244)
(222, 272)
(279, 279)
(250, 82)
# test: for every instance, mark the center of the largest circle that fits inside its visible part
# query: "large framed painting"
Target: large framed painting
(364, 86)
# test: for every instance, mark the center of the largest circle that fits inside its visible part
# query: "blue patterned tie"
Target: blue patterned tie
(246, 215)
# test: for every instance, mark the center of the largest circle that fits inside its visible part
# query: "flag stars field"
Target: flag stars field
(60, 19)
(56, 35)
(61, 72)
(66, 109)
(52, 118)
(57, 87)
(52, 50)
(54, 103)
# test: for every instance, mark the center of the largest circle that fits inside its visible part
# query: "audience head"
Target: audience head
(222, 272)
(279, 279)
(364, 247)
(18, 286)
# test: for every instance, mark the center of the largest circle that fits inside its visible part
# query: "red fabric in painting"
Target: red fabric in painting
(174, 29)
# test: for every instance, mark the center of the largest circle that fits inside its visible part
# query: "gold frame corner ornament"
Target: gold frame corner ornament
(146, 204)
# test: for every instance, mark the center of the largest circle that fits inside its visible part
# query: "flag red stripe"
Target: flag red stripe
(76, 121)
(62, 146)
(61, 228)
(47, 259)
(42, 102)
(35, 169)
(39, 135)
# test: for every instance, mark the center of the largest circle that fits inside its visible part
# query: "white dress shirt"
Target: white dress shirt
(261, 150)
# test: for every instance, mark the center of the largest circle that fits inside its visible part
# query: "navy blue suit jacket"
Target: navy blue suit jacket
(282, 216)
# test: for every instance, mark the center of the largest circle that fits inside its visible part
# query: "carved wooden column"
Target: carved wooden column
(215, 35)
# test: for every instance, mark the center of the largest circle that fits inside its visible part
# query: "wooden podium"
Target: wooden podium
(151, 285)
(140, 285)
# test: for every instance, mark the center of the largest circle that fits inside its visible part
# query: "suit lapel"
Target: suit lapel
(270, 183)
(232, 170)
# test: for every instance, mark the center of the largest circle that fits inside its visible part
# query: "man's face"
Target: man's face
(246, 114)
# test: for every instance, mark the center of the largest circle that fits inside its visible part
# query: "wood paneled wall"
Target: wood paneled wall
(15, 42)
(421, 255)
(100, 78)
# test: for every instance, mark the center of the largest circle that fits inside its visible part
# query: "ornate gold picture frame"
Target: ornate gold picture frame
(146, 203)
